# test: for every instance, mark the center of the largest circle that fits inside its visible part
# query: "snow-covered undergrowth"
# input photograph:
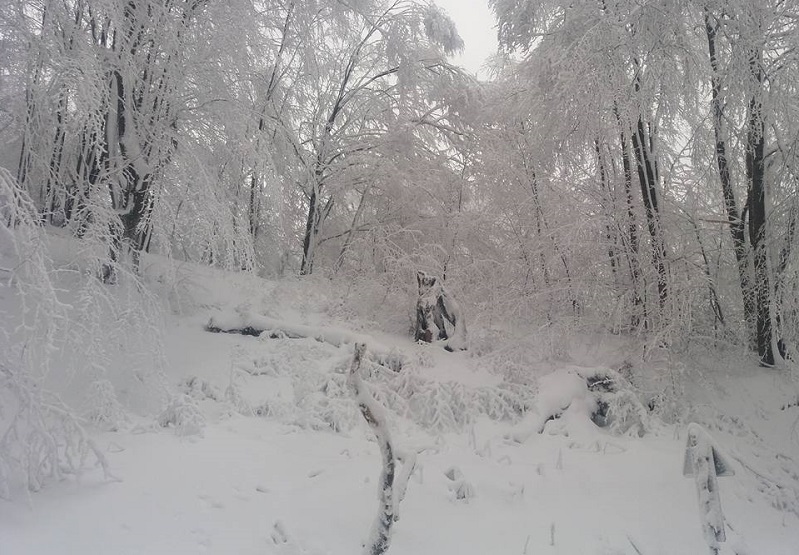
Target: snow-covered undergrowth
(64, 336)
(231, 443)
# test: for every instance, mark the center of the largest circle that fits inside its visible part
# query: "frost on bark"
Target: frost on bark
(438, 316)
(380, 536)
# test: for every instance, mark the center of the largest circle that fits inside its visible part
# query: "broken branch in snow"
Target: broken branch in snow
(373, 413)
(705, 462)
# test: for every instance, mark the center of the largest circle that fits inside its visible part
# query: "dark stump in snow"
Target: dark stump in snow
(438, 316)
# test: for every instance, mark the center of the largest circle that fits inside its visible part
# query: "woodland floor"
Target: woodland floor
(271, 456)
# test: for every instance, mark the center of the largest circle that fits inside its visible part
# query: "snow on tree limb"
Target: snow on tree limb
(380, 536)
(705, 462)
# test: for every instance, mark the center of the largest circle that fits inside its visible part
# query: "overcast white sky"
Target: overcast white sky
(475, 22)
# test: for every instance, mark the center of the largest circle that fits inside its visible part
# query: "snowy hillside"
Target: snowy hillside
(243, 444)
(280, 277)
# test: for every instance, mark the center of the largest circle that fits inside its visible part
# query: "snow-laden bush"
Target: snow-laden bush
(576, 400)
(440, 406)
(105, 411)
(42, 438)
(618, 407)
(319, 396)
(199, 389)
(182, 415)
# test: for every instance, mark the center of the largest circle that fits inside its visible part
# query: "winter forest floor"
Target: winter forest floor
(261, 449)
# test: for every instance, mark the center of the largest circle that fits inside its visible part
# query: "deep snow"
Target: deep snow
(264, 450)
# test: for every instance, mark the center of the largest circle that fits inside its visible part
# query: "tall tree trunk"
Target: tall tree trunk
(608, 197)
(736, 222)
(309, 239)
(254, 212)
(755, 175)
(54, 174)
(29, 131)
(632, 233)
(648, 179)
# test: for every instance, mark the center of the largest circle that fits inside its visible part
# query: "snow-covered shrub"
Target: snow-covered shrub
(43, 440)
(105, 411)
(200, 389)
(318, 395)
(115, 334)
(575, 399)
(517, 359)
(318, 411)
(393, 359)
(183, 415)
(447, 406)
(42, 437)
(618, 407)
(658, 380)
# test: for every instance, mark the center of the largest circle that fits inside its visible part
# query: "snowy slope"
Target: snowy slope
(262, 449)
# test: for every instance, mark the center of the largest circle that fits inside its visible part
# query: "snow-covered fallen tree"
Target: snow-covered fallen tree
(244, 322)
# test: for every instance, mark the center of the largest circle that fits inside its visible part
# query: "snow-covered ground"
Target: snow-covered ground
(261, 449)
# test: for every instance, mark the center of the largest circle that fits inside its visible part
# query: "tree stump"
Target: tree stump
(438, 316)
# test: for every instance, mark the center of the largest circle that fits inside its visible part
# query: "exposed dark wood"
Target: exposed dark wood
(755, 176)
(648, 179)
(736, 222)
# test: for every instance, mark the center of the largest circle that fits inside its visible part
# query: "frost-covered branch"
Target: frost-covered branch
(380, 537)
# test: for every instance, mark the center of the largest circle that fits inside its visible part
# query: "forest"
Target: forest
(620, 190)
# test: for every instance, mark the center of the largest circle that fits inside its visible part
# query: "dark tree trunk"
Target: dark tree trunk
(253, 212)
(632, 232)
(54, 174)
(648, 179)
(310, 235)
(755, 175)
(736, 222)
(607, 195)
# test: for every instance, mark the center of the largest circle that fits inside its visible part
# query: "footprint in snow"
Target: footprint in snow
(286, 544)
(213, 503)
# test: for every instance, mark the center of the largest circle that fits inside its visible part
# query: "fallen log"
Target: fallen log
(256, 325)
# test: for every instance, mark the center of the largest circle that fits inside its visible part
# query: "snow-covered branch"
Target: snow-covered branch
(380, 536)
